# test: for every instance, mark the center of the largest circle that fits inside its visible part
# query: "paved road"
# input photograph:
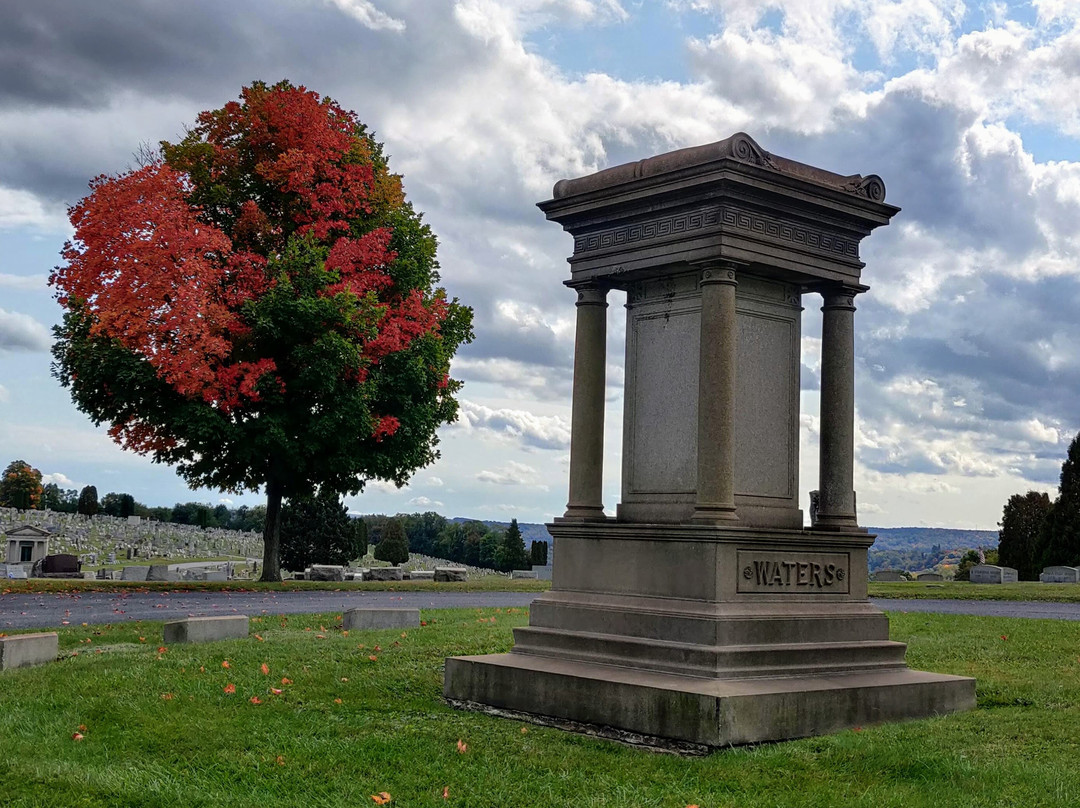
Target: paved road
(36, 610)
(45, 610)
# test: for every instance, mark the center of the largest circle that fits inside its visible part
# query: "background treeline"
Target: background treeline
(469, 542)
(1037, 532)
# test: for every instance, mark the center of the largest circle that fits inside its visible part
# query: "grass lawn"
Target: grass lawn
(962, 590)
(159, 729)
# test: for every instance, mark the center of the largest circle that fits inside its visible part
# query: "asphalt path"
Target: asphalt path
(46, 610)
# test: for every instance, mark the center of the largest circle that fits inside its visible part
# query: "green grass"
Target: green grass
(392, 732)
(962, 590)
(487, 583)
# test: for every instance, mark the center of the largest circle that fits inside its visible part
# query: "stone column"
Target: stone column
(836, 503)
(587, 417)
(716, 397)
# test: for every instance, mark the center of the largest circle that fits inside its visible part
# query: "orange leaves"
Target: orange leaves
(462, 747)
(280, 760)
(337, 701)
(255, 700)
(373, 658)
(259, 638)
(265, 669)
(162, 649)
(167, 696)
(78, 736)
(225, 664)
(229, 689)
(277, 691)
(446, 792)
(381, 798)
(286, 681)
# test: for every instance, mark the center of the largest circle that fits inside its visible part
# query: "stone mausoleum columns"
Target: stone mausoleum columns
(716, 397)
(587, 417)
(836, 498)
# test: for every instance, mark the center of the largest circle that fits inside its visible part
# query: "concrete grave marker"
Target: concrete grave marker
(704, 611)
(372, 618)
(1060, 575)
(450, 574)
(993, 574)
(24, 650)
(205, 629)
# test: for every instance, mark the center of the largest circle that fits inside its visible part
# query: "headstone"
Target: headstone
(110, 558)
(161, 572)
(929, 576)
(1060, 575)
(134, 573)
(715, 248)
(543, 573)
(522, 574)
(16, 572)
(993, 574)
(24, 650)
(205, 629)
(359, 619)
(423, 575)
(450, 574)
(385, 574)
(324, 572)
(60, 563)
(889, 576)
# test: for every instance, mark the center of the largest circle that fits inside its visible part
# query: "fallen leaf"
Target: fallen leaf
(446, 792)
(524, 730)
(1004, 636)
(462, 747)
(259, 638)
(381, 798)
(276, 691)
(255, 700)
(337, 701)
(344, 678)
(162, 649)
(167, 696)
(265, 669)
(320, 636)
(423, 622)
(142, 639)
(403, 634)
(373, 658)
(229, 689)
(281, 760)
(376, 649)
(78, 736)
(225, 664)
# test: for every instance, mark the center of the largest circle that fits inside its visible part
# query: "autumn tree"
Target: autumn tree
(393, 546)
(319, 530)
(1019, 540)
(20, 487)
(257, 305)
(88, 501)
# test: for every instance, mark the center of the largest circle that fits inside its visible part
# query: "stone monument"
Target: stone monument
(705, 612)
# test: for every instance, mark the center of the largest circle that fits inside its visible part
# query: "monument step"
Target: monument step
(710, 712)
(777, 623)
(711, 661)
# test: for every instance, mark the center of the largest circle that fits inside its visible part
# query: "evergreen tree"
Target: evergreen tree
(538, 551)
(1063, 534)
(394, 546)
(1020, 537)
(319, 530)
(511, 554)
(88, 501)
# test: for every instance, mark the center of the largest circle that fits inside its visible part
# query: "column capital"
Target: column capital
(593, 295)
(839, 296)
(726, 272)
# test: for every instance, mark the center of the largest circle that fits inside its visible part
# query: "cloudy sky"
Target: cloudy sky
(969, 375)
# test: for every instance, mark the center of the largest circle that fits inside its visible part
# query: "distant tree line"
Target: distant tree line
(473, 542)
(1037, 532)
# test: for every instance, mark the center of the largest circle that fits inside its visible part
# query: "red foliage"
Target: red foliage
(170, 280)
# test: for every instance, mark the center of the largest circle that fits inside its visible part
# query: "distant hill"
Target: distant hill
(906, 548)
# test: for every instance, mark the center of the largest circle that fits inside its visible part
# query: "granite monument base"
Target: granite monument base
(706, 635)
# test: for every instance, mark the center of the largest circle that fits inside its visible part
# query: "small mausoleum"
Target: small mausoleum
(26, 544)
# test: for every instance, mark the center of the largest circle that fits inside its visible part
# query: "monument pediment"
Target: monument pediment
(726, 200)
(27, 532)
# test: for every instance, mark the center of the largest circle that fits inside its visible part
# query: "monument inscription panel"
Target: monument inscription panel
(794, 572)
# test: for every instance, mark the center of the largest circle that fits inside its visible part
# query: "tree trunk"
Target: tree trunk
(272, 533)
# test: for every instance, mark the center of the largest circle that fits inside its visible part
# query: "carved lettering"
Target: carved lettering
(774, 571)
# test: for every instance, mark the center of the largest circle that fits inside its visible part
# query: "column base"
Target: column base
(714, 514)
(836, 522)
(584, 513)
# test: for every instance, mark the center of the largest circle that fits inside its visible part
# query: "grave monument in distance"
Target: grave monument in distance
(704, 612)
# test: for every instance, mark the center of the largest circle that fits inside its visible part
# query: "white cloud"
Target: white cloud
(424, 502)
(21, 332)
(435, 481)
(225, 501)
(58, 478)
(513, 473)
(22, 209)
(5, 396)
(365, 12)
(538, 431)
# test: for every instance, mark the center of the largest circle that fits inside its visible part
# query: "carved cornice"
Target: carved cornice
(719, 218)
(739, 147)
